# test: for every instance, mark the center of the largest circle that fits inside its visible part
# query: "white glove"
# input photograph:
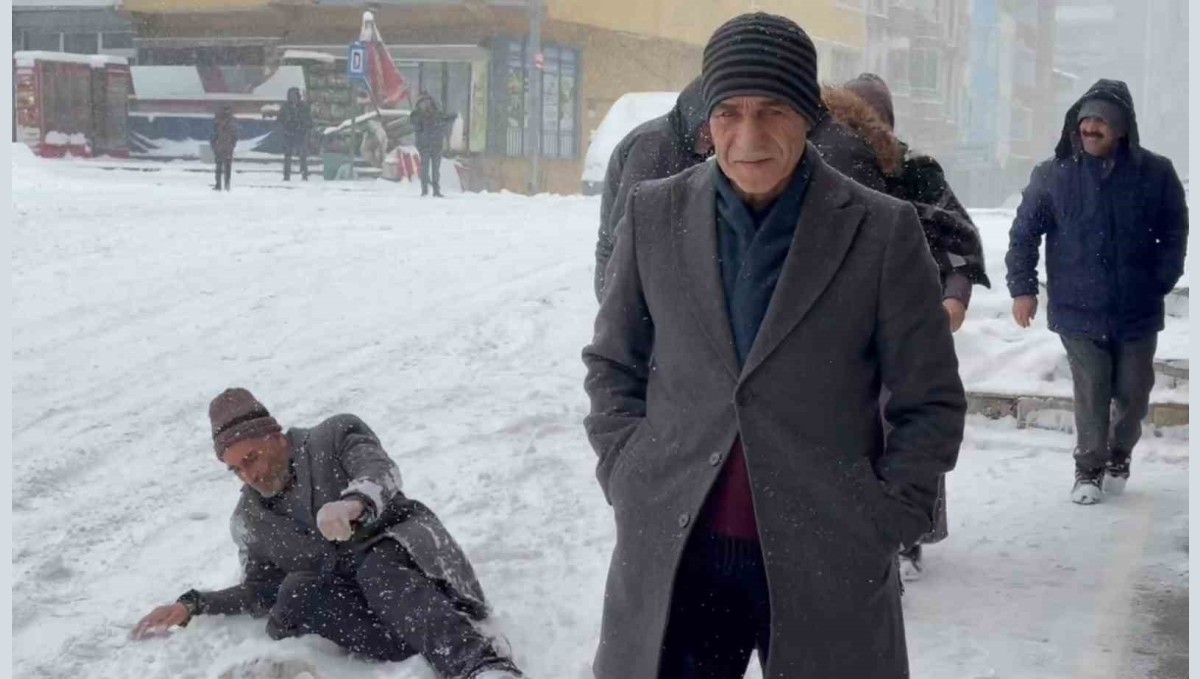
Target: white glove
(333, 519)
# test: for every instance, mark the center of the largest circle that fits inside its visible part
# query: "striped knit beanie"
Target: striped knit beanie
(237, 416)
(762, 55)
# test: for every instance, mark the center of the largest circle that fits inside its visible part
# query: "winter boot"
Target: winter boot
(1116, 472)
(911, 568)
(1088, 484)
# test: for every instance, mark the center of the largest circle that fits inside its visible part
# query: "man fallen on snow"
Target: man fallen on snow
(331, 546)
(1115, 221)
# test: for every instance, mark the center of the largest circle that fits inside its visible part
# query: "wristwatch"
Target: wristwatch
(191, 601)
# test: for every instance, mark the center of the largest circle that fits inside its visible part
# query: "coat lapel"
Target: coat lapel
(823, 236)
(700, 264)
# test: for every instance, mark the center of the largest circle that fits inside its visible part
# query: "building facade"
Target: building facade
(473, 56)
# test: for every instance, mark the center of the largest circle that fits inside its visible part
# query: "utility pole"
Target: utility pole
(533, 95)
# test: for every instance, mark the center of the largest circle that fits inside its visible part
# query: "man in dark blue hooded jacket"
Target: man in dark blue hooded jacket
(1115, 221)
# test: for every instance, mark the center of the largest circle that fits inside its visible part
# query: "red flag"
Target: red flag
(387, 84)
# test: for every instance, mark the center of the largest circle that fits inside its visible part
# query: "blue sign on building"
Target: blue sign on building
(356, 63)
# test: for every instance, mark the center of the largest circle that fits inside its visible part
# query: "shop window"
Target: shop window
(45, 42)
(81, 43)
(560, 101)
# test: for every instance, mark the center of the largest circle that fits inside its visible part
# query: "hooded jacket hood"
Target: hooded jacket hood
(1115, 91)
(688, 115)
(852, 111)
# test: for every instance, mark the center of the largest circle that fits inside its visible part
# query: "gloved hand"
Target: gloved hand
(333, 519)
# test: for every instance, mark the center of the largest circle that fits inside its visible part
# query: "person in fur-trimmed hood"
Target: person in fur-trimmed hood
(331, 546)
(856, 136)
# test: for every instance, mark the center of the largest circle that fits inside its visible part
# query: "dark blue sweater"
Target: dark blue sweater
(753, 246)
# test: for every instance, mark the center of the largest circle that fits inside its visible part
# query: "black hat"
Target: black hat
(762, 55)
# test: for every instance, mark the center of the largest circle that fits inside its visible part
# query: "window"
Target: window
(46, 42)
(897, 69)
(558, 78)
(81, 43)
(1022, 123)
(1024, 67)
(846, 65)
(116, 41)
(924, 70)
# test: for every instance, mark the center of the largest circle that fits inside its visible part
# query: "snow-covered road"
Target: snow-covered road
(454, 329)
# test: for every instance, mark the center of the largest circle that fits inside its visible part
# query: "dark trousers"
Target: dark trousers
(385, 610)
(720, 610)
(431, 169)
(1112, 382)
(224, 168)
(300, 150)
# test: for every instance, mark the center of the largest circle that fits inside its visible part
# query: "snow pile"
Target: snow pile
(997, 356)
(28, 58)
(454, 329)
(628, 112)
(55, 138)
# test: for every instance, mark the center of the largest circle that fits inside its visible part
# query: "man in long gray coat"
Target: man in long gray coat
(753, 309)
(331, 546)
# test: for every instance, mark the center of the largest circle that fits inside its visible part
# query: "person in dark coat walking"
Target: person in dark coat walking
(655, 149)
(1115, 221)
(430, 125)
(863, 110)
(223, 142)
(295, 121)
(331, 546)
(734, 378)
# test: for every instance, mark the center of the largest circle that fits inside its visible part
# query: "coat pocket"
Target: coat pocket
(623, 457)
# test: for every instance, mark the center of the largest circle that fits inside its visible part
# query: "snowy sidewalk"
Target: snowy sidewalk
(454, 328)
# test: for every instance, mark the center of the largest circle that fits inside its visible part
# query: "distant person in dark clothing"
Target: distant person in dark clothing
(296, 121)
(223, 142)
(430, 125)
(656, 149)
(1115, 219)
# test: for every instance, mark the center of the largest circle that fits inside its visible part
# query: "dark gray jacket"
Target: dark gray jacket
(430, 125)
(655, 149)
(857, 303)
(277, 536)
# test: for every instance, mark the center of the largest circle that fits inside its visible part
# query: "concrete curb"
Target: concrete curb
(1048, 412)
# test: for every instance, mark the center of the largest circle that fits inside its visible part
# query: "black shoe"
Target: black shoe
(1116, 472)
(217, 187)
(1088, 486)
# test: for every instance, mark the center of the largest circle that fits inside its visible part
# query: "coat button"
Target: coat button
(684, 520)
(715, 459)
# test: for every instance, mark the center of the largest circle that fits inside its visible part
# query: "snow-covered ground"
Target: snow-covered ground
(997, 356)
(454, 328)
